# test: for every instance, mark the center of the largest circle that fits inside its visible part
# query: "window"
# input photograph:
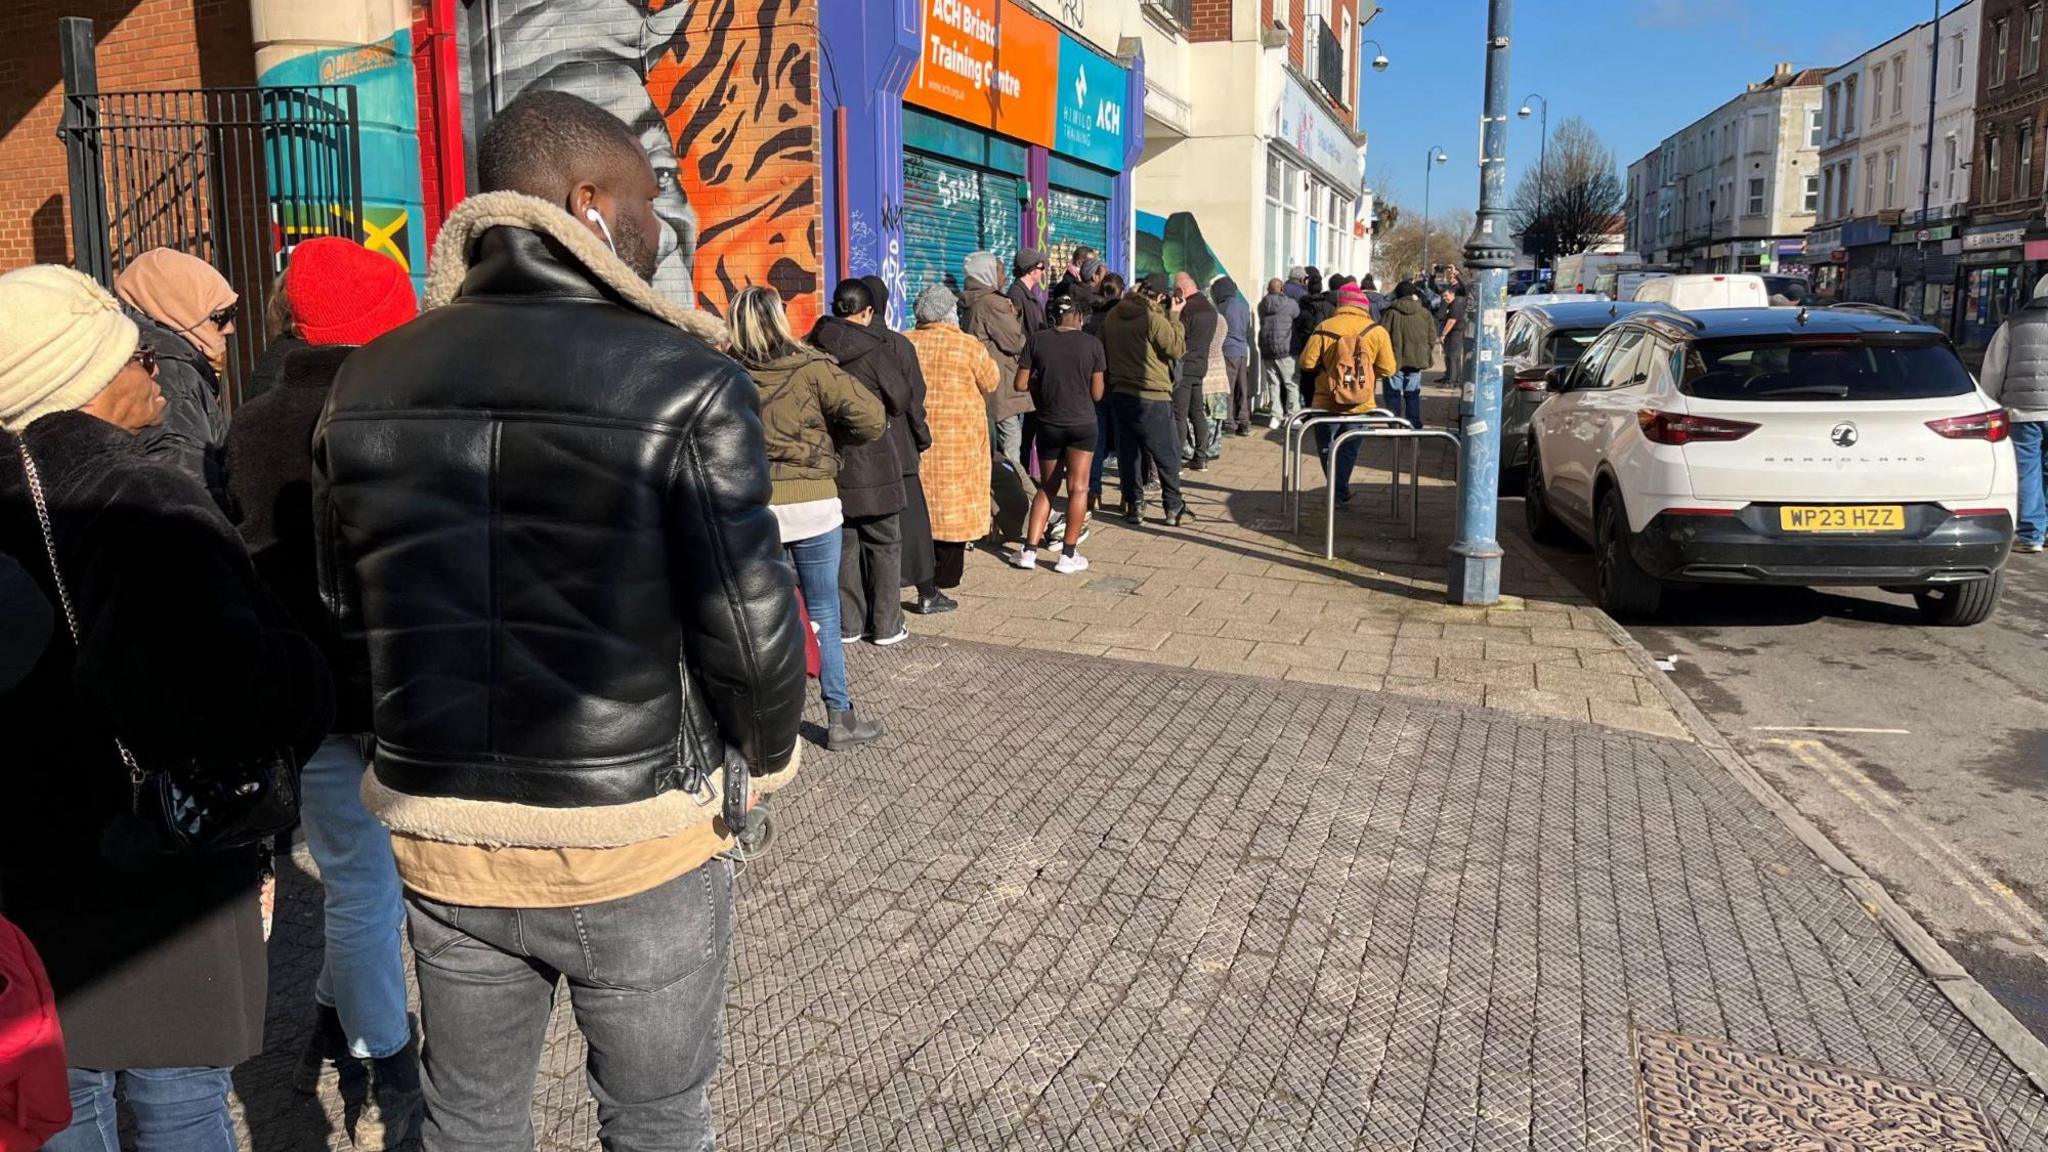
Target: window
(2030, 43)
(1870, 187)
(1764, 369)
(1834, 108)
(1521, 334)
(1877, 93)
(1991, 159)
(1813, 127)
(1955, 83)
(1898, 83)
(2023, 184)
(1949, 182)
(1848, 105)
(2001, 43)
(1623, 367)
(1812, 201)
(1756, 196)
(1891, 179)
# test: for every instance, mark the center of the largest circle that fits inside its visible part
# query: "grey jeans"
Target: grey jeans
(646, 978)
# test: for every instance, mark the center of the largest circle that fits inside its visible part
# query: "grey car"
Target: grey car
(1542, 337)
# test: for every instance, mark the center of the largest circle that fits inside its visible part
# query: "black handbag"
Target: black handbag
(190, 807)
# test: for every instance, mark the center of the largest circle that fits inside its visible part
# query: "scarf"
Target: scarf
(181, 293)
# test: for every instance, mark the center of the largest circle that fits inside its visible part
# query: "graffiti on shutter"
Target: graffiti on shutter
(1076, 220)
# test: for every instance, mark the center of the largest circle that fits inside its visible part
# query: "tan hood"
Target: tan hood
(449, 265)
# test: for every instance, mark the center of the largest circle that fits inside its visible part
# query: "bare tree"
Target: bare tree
(1397, 242)
(1573, 200)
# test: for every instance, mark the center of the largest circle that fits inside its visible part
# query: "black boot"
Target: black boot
(848, 730)
(326, 1045)
(392, 1107)
(1134, 512)
(935, 603)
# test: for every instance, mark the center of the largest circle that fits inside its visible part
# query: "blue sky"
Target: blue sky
(1637, 70)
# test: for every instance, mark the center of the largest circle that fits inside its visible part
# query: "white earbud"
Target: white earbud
(597, 218)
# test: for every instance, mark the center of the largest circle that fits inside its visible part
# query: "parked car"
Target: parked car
(1522, 281)
(1533, 299)
(1694, 293)
(1541, 336)
(1804, 447)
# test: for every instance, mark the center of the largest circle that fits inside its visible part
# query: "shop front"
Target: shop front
(1824, 257)
(1312, 187)
(1927, 271)
(1001, 132)
(1991, 280)
(1870, 274)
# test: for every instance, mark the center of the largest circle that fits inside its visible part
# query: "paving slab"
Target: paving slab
(1075, 902)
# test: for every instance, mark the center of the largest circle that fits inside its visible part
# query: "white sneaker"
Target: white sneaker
(901, 635)
(1070, 563)
(1273, 422)
(1026, 558)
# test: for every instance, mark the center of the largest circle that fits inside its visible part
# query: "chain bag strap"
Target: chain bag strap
(192, 808)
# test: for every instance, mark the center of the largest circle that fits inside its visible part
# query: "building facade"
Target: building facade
(2004, 246)
(1867, 148)
(1733, 191)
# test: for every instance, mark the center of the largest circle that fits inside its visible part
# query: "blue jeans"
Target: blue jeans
(1347, 457)
(362, 973)
(1404, 396)
(817, 573)
(176, 1110)
(646, 976)
(2026, 447)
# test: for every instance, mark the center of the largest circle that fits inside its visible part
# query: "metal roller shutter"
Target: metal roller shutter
(1076, 219)
(950, 211)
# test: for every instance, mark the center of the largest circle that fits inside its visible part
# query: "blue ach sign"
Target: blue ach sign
(1088, 123)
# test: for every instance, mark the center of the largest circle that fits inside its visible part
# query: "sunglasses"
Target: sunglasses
(224, 317)
(145, 356)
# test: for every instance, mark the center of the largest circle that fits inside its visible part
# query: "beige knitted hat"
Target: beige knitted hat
(62, 339)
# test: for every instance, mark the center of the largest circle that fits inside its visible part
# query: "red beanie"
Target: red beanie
(342, 293)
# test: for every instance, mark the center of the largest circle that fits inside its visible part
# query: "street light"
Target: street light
(1436, 156)
(1379, 60)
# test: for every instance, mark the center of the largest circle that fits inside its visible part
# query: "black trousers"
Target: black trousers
(952, 562)
(1242, 393)
(1146, 430)
(871, 576)
(1188, 410)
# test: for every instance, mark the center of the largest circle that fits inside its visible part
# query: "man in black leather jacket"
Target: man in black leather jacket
(546, 537)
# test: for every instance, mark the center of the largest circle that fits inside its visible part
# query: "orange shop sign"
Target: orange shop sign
(990, 63)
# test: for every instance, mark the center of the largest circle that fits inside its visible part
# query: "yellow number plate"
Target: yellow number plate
(1843, 518)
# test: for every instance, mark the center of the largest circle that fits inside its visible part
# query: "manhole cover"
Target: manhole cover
(1111, 584)
(1702, 1094)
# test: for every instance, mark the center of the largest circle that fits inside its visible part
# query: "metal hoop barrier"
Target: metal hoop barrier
(1290, 466)
(1415, 477)
(1374, 419)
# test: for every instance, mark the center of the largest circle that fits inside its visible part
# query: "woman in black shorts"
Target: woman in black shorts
(1062, 368)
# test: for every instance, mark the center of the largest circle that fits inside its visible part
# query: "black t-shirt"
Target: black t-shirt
(1062, 365)
(1460, 310)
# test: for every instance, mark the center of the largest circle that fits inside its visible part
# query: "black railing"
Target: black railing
(234, 176)
(1329, 58)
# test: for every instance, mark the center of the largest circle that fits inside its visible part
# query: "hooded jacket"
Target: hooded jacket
(911, 434)
(1143, 346)
(2016, 364)
(1200, 320)
(870, 474)
(1315, 308)
(1237, 319)
(1412, 328)
(991, 318)
(809, 409)
(193, 434)
(1276, 325)
(545, 537)
(1349, 320)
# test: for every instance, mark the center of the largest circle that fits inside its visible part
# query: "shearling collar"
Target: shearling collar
(487, 210)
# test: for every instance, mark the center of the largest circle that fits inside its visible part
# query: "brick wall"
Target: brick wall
(1211, 20)
(142, 44)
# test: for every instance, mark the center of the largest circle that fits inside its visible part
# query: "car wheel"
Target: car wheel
(1960, 605)
(1625, 589)
(1543, 525)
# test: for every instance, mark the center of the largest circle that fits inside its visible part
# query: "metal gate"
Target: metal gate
(234, 176)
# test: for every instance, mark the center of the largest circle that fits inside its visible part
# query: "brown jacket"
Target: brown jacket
(810, 406)
(992, 319)
(959, 376)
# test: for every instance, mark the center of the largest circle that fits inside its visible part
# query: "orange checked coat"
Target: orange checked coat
(959, 376)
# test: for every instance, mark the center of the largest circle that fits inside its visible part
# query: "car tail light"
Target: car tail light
(1661, 427)
(1993, 426)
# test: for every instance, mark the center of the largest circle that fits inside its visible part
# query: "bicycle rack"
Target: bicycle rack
(1377, 418)
(1415, 476)
(1290, 467)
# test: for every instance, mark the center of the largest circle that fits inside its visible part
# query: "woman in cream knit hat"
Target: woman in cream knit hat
(157, 961)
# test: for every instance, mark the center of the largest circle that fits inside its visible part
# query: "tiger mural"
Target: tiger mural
(737, 87)
(723, 94)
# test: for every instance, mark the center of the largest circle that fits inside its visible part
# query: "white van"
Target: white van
(1694, 293)
(1626, 283)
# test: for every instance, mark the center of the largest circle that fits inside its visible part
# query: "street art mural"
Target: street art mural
(1170, 244)
(387, 138)
(723, 95)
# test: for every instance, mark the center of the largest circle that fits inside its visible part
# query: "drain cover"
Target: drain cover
(1702, 1094)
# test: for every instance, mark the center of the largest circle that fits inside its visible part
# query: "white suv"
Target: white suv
(1777, 446)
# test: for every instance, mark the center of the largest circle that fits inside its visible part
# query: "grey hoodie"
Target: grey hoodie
(2016, 364)
(1276, 324)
